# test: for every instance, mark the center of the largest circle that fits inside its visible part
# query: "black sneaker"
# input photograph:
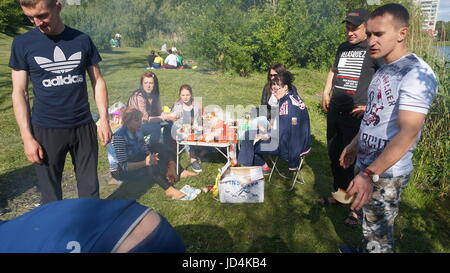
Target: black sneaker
(349, 249)
(196, 167)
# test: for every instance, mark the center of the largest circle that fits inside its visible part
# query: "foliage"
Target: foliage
(11, 17)
(136, 20)
(443, 29)
(249, 37)
(432, 167)
(431, 156)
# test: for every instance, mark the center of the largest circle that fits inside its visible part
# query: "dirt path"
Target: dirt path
(19, 193)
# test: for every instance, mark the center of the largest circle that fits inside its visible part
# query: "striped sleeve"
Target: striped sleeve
(120, 147)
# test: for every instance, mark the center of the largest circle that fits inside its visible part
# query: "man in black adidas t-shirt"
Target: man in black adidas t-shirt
(55, 58)
(348, 81)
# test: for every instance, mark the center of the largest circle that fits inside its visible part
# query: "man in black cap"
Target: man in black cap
(348, 80)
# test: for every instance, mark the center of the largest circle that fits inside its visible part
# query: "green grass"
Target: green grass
(443, 43)
(285, 222)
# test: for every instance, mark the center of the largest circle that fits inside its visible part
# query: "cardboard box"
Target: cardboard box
(242, 185)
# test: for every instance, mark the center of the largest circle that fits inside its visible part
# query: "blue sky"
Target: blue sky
(444, 10)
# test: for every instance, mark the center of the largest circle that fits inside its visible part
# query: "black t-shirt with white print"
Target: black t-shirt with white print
(57, 68)
(354, 69)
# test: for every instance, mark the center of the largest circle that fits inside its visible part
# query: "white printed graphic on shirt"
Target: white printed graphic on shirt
(60, 65)
(349, 69)
(284, 109)
(408, 82)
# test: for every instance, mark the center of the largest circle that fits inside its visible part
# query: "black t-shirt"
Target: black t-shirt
(151, 59)
(57, 69)
(354, 69)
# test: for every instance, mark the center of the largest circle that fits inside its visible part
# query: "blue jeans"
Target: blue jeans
(251, 154)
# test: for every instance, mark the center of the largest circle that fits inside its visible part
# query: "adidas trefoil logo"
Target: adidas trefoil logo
(60, 64)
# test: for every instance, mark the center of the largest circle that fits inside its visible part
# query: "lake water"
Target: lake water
(446, 51)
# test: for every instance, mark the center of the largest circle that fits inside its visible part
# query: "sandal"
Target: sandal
(352, 221)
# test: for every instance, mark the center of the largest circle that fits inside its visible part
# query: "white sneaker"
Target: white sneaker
(187, 197)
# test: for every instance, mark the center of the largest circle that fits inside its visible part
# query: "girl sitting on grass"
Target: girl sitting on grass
(130, 158)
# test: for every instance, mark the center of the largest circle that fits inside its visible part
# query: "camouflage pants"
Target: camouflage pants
(379, 215)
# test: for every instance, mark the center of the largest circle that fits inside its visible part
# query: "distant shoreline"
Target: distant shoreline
(443, 43)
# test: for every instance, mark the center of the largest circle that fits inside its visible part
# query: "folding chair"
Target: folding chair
(297, 173)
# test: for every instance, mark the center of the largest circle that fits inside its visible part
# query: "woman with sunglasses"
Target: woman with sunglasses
(267, 98)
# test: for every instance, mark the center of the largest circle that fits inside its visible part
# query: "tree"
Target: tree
(443, 29)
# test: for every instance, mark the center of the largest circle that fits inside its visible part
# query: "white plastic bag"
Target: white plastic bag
(242, 185)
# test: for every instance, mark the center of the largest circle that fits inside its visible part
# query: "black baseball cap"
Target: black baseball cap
(357, 16)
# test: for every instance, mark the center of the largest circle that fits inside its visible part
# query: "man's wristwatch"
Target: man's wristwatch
(375, 177)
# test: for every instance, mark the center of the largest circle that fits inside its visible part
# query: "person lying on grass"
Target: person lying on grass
(90, 225)
(131, 158)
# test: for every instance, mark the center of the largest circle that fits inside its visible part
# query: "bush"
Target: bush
(11, 17)
(246, 38)
(135, 20)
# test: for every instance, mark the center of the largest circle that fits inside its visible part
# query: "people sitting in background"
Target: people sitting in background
(189, 114)
(90, 225)
(267, 98)
(113, 42)
(151, 58)
(289, 138)
(131, 158)
(146, 99)
(171, 61)
(118, 38)
(158, 62)
(179, 60)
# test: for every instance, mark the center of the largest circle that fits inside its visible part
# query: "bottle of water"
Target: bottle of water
(147, 144)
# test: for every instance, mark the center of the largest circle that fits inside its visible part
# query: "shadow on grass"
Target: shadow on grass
(115, 52)
(423, 230)
(111, 67)
(323, 186)
(134, 189)
(416, 230)
(14, 184)
(197, 238)
(282, 224)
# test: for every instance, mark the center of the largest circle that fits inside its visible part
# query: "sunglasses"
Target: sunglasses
(273, 75)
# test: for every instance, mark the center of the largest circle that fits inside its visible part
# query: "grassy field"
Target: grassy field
(285, 222)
